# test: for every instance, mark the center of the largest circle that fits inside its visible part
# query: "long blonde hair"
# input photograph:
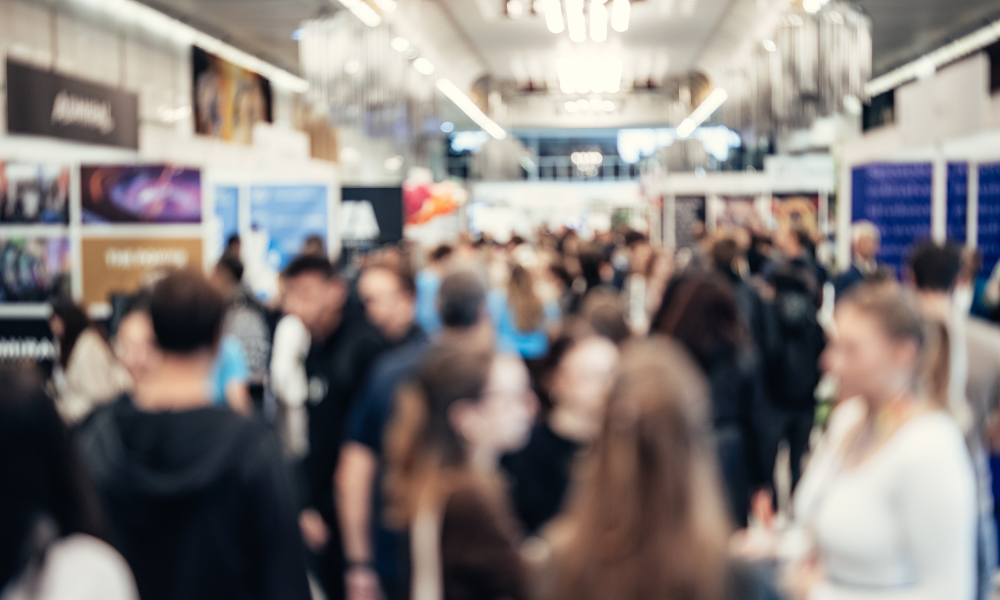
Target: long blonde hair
(648, 520)
(525, 305)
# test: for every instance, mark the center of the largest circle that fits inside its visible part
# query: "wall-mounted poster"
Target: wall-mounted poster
(739, 211)
(796, 211)
(989, 214)
(689, 220)
(123, 265)
(228, 100)
(371, 216)
(282, 217)
(34, 193)
(140, 194)
(896, 197)
(33, 269)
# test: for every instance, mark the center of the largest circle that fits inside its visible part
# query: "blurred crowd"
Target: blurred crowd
(553, 419)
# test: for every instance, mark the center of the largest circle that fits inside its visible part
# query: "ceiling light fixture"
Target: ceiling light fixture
(570, 106)
(423, 66)
(582, 104)
(701, 114)
(619, 15)
(608, 106)
(399, 44)
(581, 72)
(363, 11)
(515, 9)
(614, 75)
(598, 21)
(576, 21)
(386, 5)
(554, 17)
(770, 46)
(466, 105)
(156, 22)
(447, 127)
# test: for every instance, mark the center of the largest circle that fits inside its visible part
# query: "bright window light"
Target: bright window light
(423, 66)
(466, 105)
(554, 16)
(619, 15)
(598, 21)
(298, 34)
(399, 44)
(365, 13)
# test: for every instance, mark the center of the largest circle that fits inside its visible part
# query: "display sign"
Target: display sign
(26, 339)
(34, 193)
(227, 211)
(286, 215)
(798, 211)
(123, 265)
(43, 103)
(989, 215)
(739, 212)
(33, 269)
(689, 220)
(359, 205)
(228, 100)
(140, 194)
(896, 197)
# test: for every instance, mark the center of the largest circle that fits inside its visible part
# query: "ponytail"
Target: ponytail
(936, 364)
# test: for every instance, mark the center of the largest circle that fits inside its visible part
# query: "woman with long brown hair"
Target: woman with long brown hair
(887, 507)
(465, 409)
(521, 317)
(648, 521)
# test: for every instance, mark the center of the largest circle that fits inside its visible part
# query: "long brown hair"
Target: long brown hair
(525, 305)
(900, 319)
(422, 447)
(700, 311)
(648, 522)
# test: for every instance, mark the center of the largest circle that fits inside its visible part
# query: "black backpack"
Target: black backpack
(793, 365)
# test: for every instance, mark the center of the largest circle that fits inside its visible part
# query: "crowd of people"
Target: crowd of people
(559, 419)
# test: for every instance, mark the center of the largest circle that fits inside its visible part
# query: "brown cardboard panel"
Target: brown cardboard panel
(123, 265)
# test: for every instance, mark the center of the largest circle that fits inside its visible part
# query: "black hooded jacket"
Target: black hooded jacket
(197, 501)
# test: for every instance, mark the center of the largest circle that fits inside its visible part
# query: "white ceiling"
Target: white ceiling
(665, 37)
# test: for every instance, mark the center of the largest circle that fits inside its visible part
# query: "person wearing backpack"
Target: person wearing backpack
(792, 366)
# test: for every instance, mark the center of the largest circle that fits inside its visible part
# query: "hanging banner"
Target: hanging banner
(896, 197)
(33, 269)
(34, 193)
(228, 100)
(140, 194)
(282, 217)
(989, 215)
(123, 265)
(43, 103)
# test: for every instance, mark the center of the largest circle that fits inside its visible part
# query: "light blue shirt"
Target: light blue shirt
(230, 366)
(427, 314)
(529, 344)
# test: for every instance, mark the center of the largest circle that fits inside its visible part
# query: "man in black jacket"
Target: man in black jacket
(196, 497)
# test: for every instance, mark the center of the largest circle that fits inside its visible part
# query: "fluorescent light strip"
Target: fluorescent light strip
(938, 58)
(364, 12)
(466, 105)
(553, 16)
(620, 10)
(133, 12)
(598, 21)
(702, 113)
(576, 21)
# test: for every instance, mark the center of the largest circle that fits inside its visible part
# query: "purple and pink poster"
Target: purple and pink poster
(140, 194)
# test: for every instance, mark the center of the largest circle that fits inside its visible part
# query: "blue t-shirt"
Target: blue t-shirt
(529, 344)
(230, 366)
(427, 314)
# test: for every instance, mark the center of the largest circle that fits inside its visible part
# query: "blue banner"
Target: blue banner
(896, 197)
(958, 201)
(989, 215)
(227, 209)
(288, 214)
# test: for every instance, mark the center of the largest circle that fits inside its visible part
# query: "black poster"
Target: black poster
(386, 203)
(689, 220)
(43, 103)
(26, 339)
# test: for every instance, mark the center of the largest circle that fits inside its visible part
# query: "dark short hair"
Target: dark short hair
(306, 264)
(441, 252)
(233, 239)
(232, 265)
(935, 266)
(187, 312)
(461, 298)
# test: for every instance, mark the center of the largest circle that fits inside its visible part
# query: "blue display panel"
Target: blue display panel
(288, 214)
(896, 197)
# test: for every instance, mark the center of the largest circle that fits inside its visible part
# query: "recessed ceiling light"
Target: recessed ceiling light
(570, 106)
(770, 46)
(447, 127)
(582, 104)
(608, 106)
(423, 66)
(399, 44)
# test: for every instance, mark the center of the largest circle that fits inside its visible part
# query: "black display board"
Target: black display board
(26, 339)
(43, 103)
(387, 205)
